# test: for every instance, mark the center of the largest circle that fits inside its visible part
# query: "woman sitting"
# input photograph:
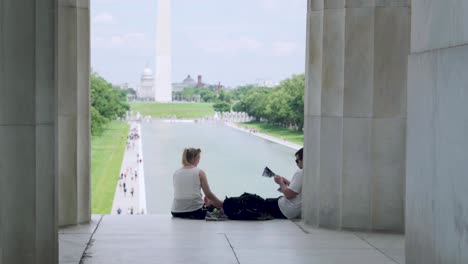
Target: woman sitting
(188, 181)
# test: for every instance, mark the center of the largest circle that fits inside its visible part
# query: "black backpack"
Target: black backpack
(246, 207)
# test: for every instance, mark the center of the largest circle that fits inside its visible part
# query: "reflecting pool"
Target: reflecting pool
(233, 160)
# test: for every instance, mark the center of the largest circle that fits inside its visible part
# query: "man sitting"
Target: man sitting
(289, 205)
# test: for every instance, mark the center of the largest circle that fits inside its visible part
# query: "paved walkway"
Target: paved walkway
(128, 203)
(265, 136)
(145, 239)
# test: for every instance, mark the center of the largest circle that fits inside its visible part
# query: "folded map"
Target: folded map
(268, 173)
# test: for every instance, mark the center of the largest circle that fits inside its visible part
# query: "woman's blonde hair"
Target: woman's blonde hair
(189, 156)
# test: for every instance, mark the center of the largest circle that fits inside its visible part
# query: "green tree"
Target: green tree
(97, 122)
(282, 105)
(222, 107)
(131, 91)
(239, 107)
(107, 103)
(255, 102)
(277, 109)
(224, 97)
(239, 93)
(189, 94)
(206, 95)
(294, 87)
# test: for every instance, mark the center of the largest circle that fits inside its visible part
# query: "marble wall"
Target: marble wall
(355, 114)
(28, 188)
(437, 142)
(74, 112)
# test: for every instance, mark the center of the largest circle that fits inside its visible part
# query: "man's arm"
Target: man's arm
(288, 193)
(286, 181)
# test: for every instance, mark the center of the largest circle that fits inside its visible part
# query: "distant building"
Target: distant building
(265, 83)
(146, 90)
(189, 82)
(200, 82)
(186, 83)
(123, 86)
(218, 88)
(131, 96)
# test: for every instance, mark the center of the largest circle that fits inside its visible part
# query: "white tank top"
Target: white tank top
(187, 190)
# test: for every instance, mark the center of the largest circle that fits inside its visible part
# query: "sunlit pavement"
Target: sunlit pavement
(163, 239)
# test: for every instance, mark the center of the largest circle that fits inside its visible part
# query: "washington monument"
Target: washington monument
(163, 84)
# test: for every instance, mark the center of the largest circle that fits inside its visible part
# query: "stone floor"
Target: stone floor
(163, 239)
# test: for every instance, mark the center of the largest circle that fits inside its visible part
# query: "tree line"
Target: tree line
(107, 103)
(282, 105)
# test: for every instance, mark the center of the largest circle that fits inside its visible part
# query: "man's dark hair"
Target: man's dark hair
(299, 153)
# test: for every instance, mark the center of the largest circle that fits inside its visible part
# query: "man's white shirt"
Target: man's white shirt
(292, 208)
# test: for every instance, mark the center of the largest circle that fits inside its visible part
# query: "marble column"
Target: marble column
(74, 111)
(437, 142)
(355, 114)
(28, 219)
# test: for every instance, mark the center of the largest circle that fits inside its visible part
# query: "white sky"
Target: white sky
(234, 42)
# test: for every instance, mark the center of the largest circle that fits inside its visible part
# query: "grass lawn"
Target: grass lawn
(107, 152)
(181, 110)
(276, 131)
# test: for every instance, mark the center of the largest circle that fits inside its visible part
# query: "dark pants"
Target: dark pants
(272, 208)
(197, 214)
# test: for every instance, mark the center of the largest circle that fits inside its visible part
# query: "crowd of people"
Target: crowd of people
(129, 176)
(132, 139)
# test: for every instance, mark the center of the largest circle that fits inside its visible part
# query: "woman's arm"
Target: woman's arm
(207, 191)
